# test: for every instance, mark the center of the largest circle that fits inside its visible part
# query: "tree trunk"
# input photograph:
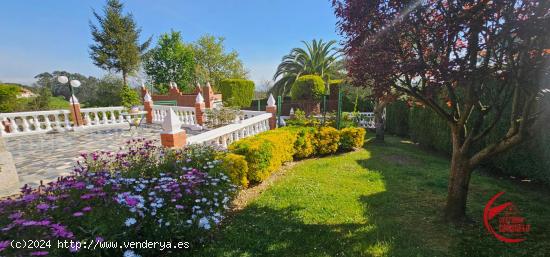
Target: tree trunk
(379, 120)
(459, 180)
(379, 125)
(124, 78)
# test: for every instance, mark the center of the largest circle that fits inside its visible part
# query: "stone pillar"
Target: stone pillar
(76, 115)
(148, 107)
(291, 114)
(9, 181)
(199, 109)
(208, 95)
(172, 136)
(272, 108)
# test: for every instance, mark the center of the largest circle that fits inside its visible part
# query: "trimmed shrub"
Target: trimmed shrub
(352, 138)
(308, 87)
(326, 140)
(236, 167)
(237, 92)
(265, 152)
(304, 146)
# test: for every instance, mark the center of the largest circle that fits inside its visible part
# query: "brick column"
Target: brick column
(148, 107)
(199, 109)
(272, 108)
(172, 136)
(208, 95)
(76, 115)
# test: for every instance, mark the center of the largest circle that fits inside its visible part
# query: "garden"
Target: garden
(422, 132)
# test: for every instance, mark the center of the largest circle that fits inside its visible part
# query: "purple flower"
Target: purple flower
(16, 215)
(99, 239)
(87, 208)
(40, 253)
(60, 231)
(29, 198)
(179, 206)
(4, 245)
(78, 214)
(43, 207)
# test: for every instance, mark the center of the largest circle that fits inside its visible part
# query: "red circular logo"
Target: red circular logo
(510, 222)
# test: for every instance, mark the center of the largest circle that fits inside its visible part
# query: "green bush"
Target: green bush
(8, 97)
(326, 140)
(352, 138)
(308, 87)
(237, 92)
(236, 168)
(265, 152)
(129, 97)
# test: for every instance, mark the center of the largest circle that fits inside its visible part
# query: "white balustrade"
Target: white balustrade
(244, 114)
(363, 119)
(102, 116)
(225, 135)
(26, 123)
(185, 114)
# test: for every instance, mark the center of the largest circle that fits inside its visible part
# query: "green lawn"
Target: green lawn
(385, 200)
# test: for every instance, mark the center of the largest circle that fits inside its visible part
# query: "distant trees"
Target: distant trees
(213, 64)
(171, 60)
(94, 91)
(116, 38)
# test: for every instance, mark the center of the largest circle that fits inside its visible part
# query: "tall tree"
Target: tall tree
(317, 58)
(213, 64)
(465, 60)
(171, 60)
(116, 37)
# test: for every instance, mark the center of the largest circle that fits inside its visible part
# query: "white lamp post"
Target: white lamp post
(74, 83)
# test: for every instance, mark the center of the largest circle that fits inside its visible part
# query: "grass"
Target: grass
(384, 200)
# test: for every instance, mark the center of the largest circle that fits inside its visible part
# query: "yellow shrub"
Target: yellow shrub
(265, 152)
(326, 140)
(305, 138)
(236, 167)
(351, 138)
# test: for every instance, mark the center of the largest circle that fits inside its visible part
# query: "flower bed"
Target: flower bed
(143, 193)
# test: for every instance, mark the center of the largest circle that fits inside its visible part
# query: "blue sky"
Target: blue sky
(39, 36)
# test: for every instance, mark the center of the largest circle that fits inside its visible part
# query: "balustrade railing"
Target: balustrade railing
(25, 123)
(102, 116)
(186, 114)
(225, 135)
(245, 114)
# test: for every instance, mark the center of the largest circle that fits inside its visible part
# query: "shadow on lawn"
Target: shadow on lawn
(411, 207)
(402, 220)
(262, 231)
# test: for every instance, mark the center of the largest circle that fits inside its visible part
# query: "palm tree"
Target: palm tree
(318, 58)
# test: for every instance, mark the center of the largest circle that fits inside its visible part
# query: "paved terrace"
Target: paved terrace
(47, 156)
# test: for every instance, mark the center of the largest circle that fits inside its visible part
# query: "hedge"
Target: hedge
(268, 151)
(529, 159)
(310, 87)
(237, 92)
